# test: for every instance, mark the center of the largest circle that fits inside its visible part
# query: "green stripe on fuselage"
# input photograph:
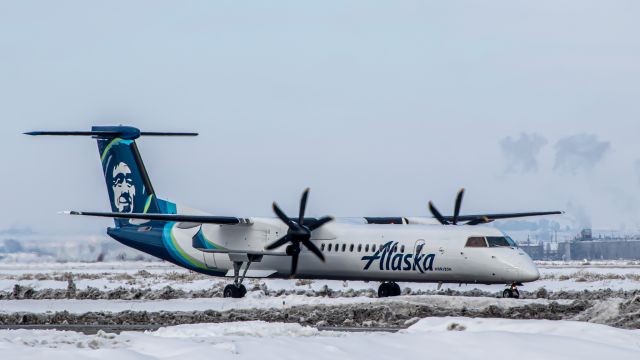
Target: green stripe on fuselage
(176, 251)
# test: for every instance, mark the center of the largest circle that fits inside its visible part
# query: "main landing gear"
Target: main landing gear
(512, 292)
(387, 289)
(237, 290)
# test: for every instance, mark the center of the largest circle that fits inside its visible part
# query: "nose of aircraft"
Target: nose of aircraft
(529, 272)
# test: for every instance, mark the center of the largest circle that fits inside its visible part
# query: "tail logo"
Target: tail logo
(124, 190)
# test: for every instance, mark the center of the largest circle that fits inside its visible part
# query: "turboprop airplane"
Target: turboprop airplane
(442, 249)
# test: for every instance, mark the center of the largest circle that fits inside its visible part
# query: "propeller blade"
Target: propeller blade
(281, 214)
(276, 244)
(314, 249)
(298, 233)
(456, 211)
(303, 206)
(294, 263)
(437, 215)
(320, 223)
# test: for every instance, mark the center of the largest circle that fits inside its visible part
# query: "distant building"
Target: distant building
(586, 235)
(586, 246)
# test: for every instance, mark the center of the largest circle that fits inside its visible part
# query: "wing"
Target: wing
(467, 219)
(486, 218)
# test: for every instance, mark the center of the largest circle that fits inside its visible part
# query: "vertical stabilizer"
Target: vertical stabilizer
(128, 184)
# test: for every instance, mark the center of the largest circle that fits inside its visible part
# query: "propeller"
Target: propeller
(456, 211)
(298, 233)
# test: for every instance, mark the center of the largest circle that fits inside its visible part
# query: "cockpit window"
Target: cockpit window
(498, 241)
(476, 241)
(512, 242)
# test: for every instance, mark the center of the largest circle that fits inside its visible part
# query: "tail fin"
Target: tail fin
(128, 184)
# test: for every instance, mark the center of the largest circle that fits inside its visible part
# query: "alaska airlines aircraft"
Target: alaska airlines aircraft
(442, 249)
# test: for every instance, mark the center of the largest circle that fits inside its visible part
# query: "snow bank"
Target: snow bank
(249, 328)
(429, 338)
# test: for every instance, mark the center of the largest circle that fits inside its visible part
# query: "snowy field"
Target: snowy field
(438, 338)
(457, 321)
(555, 276)
(159, 286)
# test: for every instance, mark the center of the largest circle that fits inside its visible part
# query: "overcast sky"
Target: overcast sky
(377, 106)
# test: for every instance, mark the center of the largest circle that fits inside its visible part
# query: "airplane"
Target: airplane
(442, 249)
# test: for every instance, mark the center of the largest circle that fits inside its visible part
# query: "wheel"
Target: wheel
(384, 290)
(229, 291)
(234, 291)
(507, 293)
(515, 294)
(242, 291)
(396, 289)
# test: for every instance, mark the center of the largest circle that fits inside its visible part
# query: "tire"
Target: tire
(384, 290)
(396, 289)
(515, 294)
(242, 291)
(507, 293)
(233, 291)
(229, 291)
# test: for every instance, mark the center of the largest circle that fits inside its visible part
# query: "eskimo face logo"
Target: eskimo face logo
(123, 189)
(391, 260)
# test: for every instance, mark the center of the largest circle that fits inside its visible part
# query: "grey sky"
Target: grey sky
(377, 106)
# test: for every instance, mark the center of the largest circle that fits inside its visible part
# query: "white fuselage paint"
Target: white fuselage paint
(443, 258)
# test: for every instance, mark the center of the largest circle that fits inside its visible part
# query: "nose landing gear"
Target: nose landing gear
(388, 289)
(512, 292)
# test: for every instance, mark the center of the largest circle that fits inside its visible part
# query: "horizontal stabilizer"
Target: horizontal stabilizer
(194, 219)
(124, 132)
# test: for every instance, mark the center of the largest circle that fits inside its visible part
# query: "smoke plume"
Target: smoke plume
(522, 153)
(579, 152)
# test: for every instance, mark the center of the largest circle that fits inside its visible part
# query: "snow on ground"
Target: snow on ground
(555, 276)
(152, 286)
(446, 338)
(438, 338)
(253, 300)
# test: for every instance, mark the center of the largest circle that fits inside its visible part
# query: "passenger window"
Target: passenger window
(359, 247)
(322, 247)
(395, 248)
(402, 249)
(476, 241)
(498, 241)
(329, 247)
(351, 247)
(344, 247)
(373, 248)
(366, 248)
(337, 247)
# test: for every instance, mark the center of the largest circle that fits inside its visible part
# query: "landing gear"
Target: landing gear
(234, 291)
(387, 289)
(237, 290)
(512, 292)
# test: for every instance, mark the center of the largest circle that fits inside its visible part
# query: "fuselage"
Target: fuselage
(353, 251)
